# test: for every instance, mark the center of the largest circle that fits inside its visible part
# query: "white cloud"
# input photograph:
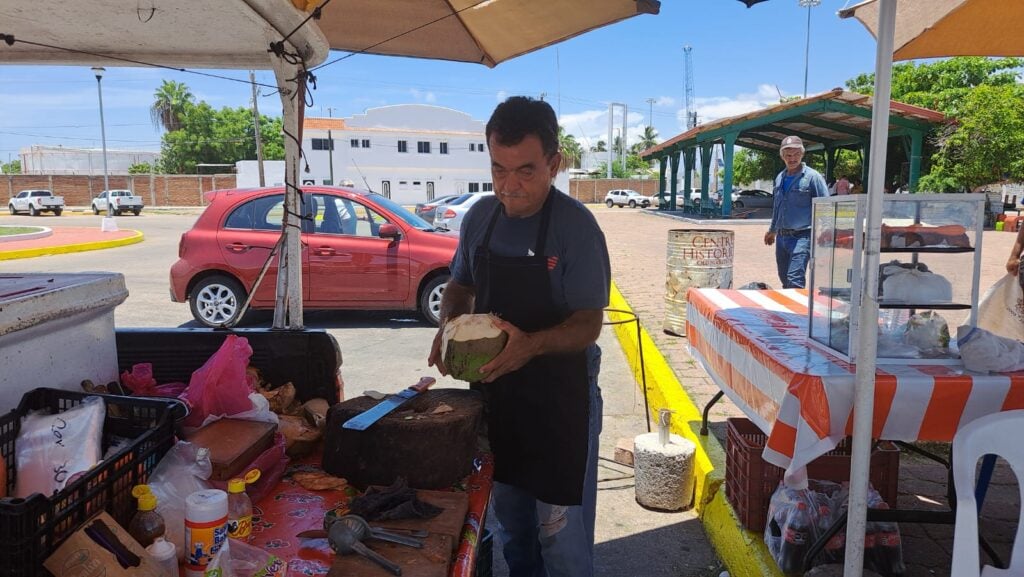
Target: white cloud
(501, 96)
(665, 102)
(423, 95)
(590, 126)
(716, 107)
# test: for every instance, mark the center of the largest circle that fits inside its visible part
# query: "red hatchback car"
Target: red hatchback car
(359, 251)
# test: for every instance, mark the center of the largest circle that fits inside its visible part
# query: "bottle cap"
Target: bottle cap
(252, 476)
(147, 502)
(140, 490)
(236, 485)
(162, 549)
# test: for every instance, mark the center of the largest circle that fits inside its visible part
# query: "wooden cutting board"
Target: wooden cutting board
(430, 561)
(233, 444)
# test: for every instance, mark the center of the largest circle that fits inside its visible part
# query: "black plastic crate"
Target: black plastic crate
(32, 528)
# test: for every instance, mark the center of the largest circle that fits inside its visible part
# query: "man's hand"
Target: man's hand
(1013, 265)
(435, 359)
(520, 348)
(769, 238)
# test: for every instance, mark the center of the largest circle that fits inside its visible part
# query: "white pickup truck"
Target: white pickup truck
(36, 201)
(123, 201)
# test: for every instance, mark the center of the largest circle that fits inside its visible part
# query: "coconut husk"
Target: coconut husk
(469, 342)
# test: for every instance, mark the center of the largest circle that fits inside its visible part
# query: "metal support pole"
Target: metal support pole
(98, 71)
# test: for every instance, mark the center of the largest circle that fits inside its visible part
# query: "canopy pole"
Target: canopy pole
(867, 336)
(288, 303)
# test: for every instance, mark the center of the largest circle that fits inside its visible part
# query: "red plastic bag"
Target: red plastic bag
(271, 463)
(141, 383)
(220, 387)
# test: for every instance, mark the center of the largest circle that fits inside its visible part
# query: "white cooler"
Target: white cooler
(56, 330)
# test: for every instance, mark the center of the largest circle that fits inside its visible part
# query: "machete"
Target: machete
(370, 416)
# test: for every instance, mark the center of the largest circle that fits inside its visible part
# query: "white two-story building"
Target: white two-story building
(408, 152)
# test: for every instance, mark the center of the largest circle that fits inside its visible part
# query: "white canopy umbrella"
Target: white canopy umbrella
(906, 29)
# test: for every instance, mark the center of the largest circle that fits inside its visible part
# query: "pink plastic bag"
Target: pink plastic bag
(220, 387)
(140, 383)
(271, 463)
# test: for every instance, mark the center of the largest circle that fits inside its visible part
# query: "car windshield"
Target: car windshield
(400, 212)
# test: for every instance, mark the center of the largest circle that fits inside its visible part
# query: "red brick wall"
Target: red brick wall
(593, 190)
(155, 190)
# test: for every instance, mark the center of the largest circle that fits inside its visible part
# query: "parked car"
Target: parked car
(626, 197)
(451, 215)
(35, 202)
(427, 210)
(123, 201)
(362, 251)
(753, 198)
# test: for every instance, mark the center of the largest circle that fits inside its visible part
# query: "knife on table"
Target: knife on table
(370, 416)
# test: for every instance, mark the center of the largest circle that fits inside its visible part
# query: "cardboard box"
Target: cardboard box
(85, 555)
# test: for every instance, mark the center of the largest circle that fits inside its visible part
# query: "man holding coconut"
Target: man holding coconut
(537, 260)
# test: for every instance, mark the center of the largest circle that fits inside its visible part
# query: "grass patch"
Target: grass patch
(9, 230)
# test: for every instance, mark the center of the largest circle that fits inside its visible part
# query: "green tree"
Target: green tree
(12, 167)
(601, 146)
(571, 149)
(749, 165)
(170, 102)
(635, 168)
(140, 168)
(648, 138)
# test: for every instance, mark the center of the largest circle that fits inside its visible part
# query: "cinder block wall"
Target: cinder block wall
(593, 190)
(155, 190)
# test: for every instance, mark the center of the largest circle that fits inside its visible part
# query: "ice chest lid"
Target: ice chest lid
(28, 299)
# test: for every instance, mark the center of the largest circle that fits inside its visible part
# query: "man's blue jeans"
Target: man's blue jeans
(791, 256)
(542, 540)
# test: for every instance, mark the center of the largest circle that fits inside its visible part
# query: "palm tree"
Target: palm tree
(571, 150)
(169, 104)
(648, 139)
(599, 147)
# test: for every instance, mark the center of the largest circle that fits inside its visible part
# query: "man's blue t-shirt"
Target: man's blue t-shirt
(791, 205)
(579, 268)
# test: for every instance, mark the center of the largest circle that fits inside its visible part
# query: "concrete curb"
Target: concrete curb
(67, 248)
(41, 233)
(743, 552)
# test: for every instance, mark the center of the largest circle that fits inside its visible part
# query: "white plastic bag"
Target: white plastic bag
(50, 449)
(183, 470)
(915, 286)
(984, 351)
(1001, 309)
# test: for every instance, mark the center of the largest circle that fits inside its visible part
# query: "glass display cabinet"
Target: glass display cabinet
(928, 274)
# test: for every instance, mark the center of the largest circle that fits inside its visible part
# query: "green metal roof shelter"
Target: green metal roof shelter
(826, 122)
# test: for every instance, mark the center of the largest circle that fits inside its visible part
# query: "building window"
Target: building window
(488, 187)
(423, 147)
(416, 183)
(472, 146)
(480, 147)
(474, 187)
(323, 144)
(442, 148)
(354, 143)
(366, 143)
(403, 146)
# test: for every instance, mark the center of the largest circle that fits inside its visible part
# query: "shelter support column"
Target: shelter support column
(705, 171)
(675, 179)
(662, 162)
(830, 163)
(288, 305)
(865, 153)
(916, 144)
(689, 159)
(726, 195)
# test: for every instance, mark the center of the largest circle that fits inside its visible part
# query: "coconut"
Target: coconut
(470, 342)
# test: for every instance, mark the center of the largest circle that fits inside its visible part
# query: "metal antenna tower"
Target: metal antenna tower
(691, 114)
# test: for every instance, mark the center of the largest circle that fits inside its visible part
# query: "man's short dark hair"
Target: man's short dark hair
(520, 116)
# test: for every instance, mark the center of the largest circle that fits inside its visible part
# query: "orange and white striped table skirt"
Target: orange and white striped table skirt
(754, 345)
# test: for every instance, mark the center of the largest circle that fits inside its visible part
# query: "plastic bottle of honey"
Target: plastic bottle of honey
(240, 507)
(147, 524)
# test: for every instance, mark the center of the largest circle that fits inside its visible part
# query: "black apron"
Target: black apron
(537, 416)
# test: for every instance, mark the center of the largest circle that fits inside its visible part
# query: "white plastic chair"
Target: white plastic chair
(997, 434)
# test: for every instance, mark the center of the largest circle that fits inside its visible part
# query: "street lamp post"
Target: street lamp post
(807, 49)
(98, 71)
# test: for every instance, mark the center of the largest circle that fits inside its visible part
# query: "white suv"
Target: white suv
(626, 197)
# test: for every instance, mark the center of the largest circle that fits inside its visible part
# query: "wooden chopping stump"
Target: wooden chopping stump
(431, 449)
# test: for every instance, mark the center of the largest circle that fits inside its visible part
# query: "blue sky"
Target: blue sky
(742, 59)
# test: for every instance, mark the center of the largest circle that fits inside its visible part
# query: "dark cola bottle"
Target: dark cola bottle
(888, 550)
(796, 540)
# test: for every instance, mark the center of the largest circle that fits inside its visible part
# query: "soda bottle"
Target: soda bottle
(240, 507)
(796, 539)
(888, 549)
(147, 524)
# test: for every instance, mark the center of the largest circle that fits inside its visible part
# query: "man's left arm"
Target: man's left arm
(575, 334)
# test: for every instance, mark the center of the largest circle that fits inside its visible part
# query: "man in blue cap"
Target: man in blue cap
(790, 229)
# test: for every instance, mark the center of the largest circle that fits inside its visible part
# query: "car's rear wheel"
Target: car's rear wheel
(737, 204)
(430, 299)
(217, 301)
(136, 211)
(10, 207)
(57, 211)
(32, 210)
(610, 203)
(632, 204)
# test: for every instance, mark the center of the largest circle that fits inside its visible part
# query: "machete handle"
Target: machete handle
(423, 384)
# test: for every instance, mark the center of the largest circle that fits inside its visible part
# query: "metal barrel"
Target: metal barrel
(696, 259)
